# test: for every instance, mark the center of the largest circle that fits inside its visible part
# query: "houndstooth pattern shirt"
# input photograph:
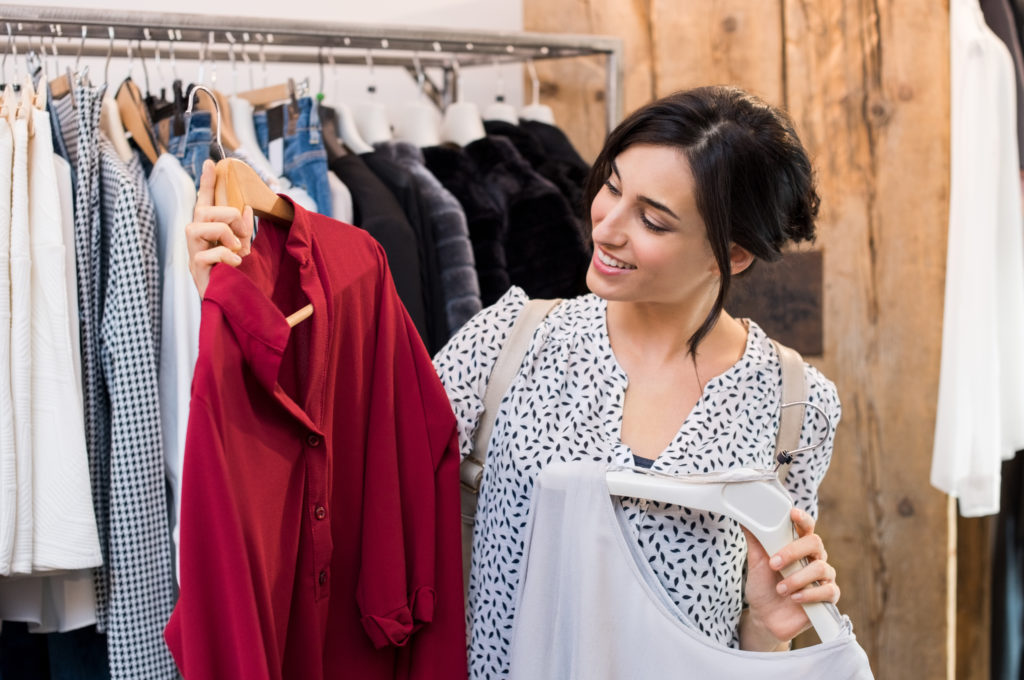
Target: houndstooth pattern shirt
(79, 117)
(565, 404)
(141, 582)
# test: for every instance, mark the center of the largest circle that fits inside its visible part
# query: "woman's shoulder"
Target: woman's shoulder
(820, 390)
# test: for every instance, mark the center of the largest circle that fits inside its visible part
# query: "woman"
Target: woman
(648, 369)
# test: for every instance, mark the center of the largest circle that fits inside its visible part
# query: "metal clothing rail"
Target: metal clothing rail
(93, 32)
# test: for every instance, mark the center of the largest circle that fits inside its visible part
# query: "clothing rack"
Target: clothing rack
(91, 32)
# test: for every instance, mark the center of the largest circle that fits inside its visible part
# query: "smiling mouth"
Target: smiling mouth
(610, 261)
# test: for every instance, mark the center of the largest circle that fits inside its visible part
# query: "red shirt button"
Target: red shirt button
(320, 512)
(313, 439)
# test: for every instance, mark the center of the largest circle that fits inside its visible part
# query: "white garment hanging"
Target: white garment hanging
(50, 604)
(589, 606)
(66, 192)
(21, 348)
(63, 524)
(174, 198)
(66, 601)
(981, 384)
(341, 199)
(8, 461)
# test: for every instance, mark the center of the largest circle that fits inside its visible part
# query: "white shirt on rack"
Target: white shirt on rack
(66, 601)
(981, 384)
(21, 348)
(8, 461)
(174, 198)
(64, 525)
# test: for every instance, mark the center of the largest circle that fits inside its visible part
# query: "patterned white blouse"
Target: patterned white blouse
(565, 404)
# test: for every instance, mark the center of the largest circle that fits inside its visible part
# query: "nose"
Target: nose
(609, 224)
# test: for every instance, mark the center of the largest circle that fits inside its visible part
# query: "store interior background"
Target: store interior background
(868, 86)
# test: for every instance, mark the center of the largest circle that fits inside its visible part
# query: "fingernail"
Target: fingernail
(781, 589)
(776, 562)
(797, 597)
(238, 244)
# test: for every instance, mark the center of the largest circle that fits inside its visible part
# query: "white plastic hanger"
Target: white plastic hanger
(754, 498)
(541, 113)
(462, 123)
(348, 131)
(370, 116)
(500, 109)
(418, 122)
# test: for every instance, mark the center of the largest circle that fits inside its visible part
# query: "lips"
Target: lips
(612, 262)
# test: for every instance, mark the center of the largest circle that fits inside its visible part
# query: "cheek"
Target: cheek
(600, 207)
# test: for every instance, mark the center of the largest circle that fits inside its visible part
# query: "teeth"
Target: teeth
(612, 262)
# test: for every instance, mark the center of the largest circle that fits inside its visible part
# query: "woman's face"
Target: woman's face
(650, 242)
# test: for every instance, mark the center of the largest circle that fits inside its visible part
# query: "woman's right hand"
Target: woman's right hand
(216, 234)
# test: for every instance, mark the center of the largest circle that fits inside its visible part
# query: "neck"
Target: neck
(661, 333)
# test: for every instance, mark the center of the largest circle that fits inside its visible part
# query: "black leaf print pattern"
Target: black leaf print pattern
(565, 404)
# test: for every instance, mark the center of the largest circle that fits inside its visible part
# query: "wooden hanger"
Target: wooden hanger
(135, 119)
(265, 97)
(238, 186)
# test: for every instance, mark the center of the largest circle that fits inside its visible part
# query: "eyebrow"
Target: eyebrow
(644, 199)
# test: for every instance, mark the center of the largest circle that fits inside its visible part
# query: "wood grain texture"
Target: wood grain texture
(728, 42)
(975, 545)
(867, 84)
(575, 88)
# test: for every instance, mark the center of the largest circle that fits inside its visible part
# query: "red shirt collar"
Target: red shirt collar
(244, 295)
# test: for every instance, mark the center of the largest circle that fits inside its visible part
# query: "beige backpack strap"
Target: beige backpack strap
(471, 471)
(794, 390)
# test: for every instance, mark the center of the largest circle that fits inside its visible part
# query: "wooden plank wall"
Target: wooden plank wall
(867, 84)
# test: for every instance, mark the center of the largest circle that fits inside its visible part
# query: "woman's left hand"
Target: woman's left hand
(776, 613)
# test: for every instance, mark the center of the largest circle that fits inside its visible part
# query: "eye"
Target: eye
(611, 188)
(651, 226)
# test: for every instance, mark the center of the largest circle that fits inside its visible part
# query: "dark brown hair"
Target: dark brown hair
(754, 185)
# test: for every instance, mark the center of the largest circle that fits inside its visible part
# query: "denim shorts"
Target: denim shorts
(305, 157)
(193, 147)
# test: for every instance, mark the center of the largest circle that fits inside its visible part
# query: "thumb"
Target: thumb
(756, 553)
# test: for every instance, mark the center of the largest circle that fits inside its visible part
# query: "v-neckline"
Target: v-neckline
(619, 396)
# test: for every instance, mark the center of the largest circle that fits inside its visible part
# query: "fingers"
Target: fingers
(204, 235)
(817, 572)
(822, 592)
(208, 258)
(207, 180)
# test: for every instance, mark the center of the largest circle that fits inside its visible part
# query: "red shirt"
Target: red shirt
(320, 518)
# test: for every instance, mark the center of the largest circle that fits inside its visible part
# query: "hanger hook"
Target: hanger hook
(110, 53)
(787, 456)
(142, 61)
(245, 58)
(263, 58)
(421, 77)
(81, 46)
(371, 87)
(457, 70)
(216, 107)
(334, 72)
(234, 63)
(320, 66)
(534, 81)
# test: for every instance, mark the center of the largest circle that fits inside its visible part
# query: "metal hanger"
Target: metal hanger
(238, 185)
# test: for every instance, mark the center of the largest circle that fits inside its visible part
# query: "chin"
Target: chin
(600, 287)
